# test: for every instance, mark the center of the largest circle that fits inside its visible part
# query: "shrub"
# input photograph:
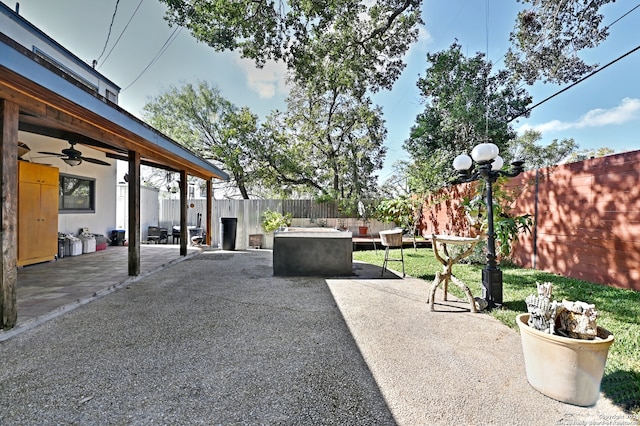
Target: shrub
(272, 221)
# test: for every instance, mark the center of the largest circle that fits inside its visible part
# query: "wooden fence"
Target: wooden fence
(587, 219)
(248, 214)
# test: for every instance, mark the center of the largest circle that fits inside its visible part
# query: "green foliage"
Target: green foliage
(398, 183)
(527, 147)
(399, 211)
(272, 221)
(331, 138)
(466, 103)
(506, 226)
(201, 119)
(357, 43)
(348, 207)
(328, 143)
(548, 37)
(585, 154)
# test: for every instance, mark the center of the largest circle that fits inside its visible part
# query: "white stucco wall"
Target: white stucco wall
(104, 218)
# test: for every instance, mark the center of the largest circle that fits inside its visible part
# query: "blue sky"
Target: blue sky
(603, 111)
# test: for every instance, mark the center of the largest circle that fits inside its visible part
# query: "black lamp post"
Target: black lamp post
(489, 165)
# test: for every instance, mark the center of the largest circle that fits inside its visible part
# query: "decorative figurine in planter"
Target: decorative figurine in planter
(564, 351)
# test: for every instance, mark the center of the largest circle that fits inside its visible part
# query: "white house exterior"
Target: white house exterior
(31, 37)
(102, 218)
(48, 106)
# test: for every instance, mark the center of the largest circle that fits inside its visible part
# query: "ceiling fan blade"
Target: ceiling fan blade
(57, 154)
(95, 161)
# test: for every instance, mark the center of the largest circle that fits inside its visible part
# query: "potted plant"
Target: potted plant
(564, 351)
(363, 212)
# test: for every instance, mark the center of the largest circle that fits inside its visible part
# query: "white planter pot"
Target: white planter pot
(569, 370)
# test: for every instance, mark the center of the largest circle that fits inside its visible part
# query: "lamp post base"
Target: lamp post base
(492, 287)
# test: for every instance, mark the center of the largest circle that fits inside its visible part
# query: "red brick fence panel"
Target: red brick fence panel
(587, 219)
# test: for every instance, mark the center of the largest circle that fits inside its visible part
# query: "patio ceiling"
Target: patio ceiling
(53, 104)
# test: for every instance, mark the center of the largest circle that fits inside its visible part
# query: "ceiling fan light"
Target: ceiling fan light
(72, 161)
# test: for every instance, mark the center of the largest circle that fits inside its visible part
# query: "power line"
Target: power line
(120, 36)
(113, 18)
(634, 8)
(608, 26)
(573, 84)
(164, 47)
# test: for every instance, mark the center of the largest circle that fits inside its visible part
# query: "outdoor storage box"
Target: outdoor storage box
(101, 241)
(88, 244)
(72, 247)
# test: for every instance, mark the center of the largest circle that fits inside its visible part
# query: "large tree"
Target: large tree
(550, 34)
(327, 144)
(201, 119)
(364, 40)
(527, 147)
(465, 104)
(586, 154)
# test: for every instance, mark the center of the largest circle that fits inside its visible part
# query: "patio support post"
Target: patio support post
(134, 213)
(209, 212)
(184, 231)
(9, 113)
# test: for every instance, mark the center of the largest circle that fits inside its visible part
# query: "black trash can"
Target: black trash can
(117, 237)
(228, 227)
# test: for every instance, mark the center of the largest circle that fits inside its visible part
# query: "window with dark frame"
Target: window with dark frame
(111, 96)
(76, 194)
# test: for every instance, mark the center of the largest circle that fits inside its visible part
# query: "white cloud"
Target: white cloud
(423, 35)
(266, 81)
(628, 110)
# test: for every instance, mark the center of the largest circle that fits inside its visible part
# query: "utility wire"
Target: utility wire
(120, 36)
(113, 18)
(634, 8)
(608, 26)
(573, 84)
(164, 47)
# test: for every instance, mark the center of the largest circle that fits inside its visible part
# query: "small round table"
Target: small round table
(447, 262)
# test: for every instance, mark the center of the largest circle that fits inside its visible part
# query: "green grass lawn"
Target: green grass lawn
(618, 311)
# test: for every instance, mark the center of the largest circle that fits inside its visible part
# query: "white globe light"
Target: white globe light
(484, 152)
(462, 162)
(497, 164)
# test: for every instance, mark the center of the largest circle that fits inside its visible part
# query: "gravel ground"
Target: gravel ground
(216, 339)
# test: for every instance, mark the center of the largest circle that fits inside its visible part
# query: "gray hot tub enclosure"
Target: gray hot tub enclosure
(321, 252)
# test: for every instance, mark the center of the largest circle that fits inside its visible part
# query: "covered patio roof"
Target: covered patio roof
(38, 97)
(53, 104)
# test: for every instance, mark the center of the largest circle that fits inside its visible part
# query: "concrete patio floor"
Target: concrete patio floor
(46, 290)
(217, 339)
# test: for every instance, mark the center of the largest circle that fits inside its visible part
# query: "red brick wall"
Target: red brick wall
(587, 219)
(443, 214)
